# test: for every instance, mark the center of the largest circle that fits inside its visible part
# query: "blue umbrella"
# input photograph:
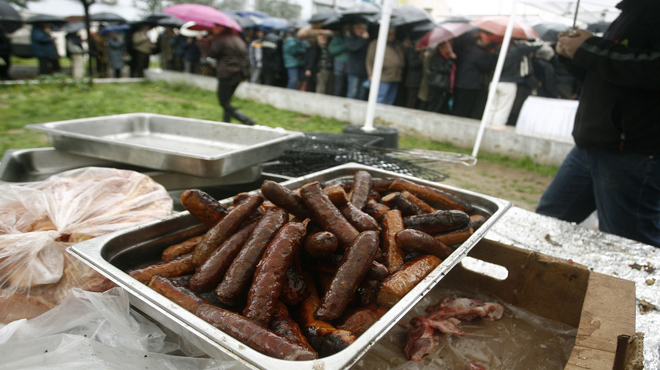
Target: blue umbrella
(114, 28)
(274, 23)
(255, 13)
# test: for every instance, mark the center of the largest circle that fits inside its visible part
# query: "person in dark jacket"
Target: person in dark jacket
(614, 167)
(474, 67)
(356, 70)
(5, 54)
(545, 74)
(439, 76)
(272, 69)
(337, 47)
(293, 52)
(43, 48)
(318, 66)
(233, 66)
(413, 73)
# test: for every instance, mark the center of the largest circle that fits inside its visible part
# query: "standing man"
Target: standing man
(392, 72)
(293, 51)
(615, 166)
(356, 70)
(256, 57)
(142, 47)
(5, 54)
(43, 48)
(225, 46)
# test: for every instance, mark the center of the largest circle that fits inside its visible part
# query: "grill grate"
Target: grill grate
(318, 151)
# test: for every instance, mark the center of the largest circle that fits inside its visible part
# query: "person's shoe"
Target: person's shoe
(250, 122)
(243, 118)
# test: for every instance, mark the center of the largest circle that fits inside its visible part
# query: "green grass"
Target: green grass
(61, 100)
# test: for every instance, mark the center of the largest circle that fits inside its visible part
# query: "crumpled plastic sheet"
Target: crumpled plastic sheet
(601, 252)
(95, 331)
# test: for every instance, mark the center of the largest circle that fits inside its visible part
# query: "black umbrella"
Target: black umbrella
(323, 15)
(9, 17)
(107, 17)
(72, 27)
(170, 22)
(362, 9)
(47, 19)
(297, 23)
(409, 15)
(549, 31)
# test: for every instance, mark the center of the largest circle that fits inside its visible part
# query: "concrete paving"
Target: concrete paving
(461, 132)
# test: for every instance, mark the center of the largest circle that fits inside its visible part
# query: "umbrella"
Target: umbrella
(170, 22)
(274, 23)
(588, 11)
(9, 17)
(496, 24)
(409, 15)
(549, 31)
(106, 17)
(186, 30)
(153, 18)
(362, 9)
(442, 33)
(252, 13)
(297, 23)
(323, 15)
(118, 28)
(205, 17)
(46, 19)
(72, 27)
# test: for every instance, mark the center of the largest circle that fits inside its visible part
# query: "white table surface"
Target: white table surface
(547, 117)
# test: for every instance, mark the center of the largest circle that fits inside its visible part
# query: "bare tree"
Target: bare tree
(280, 8)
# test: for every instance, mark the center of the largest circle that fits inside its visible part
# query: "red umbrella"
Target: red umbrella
(205, 17)
(496, 24)
(442, 33)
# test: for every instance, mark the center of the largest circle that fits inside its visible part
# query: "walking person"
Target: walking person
(43, 48)
(614, 167)
(233, 66)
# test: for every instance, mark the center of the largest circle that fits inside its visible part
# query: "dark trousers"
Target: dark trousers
(469, 103)
(438, 101)
(623, 187)
(4, 69)
(141, 63)
(226, 88)
(48, 66)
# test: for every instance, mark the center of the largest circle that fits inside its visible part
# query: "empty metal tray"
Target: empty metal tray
(190, 146)
(115, 253)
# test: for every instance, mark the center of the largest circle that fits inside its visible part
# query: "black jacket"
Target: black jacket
(473, 67)
(620, 103)
(356, 50)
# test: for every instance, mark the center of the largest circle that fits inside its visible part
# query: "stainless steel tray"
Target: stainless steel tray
(21, 166)
(190, 146)
(114, 253)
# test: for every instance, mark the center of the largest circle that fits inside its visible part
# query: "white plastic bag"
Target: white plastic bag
(94, 331)
(40, 220)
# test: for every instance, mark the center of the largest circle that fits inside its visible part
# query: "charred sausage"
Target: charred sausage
(398, 284)
(283, 197)
(239, 275)
(203, 206)
(283, 324)
(362, 185)
(436, 222)
(255, 336)
(357, 321)
(327, 215)
(352, 269)
(179, 295)
(435, 197)
(211, 272)
(225, 228)
(392, 223)
(321, 244)
(268, 278)
(422, 242)
(178, 250)
(177, 267)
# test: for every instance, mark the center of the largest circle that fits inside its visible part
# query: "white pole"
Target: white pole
(378, 64)
(496, 78)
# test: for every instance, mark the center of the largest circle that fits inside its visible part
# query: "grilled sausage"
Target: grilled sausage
(362, 186)
(283, 197)
(177, 267)
(268, 278)
(357, 321)
(398, 284)
(454, 237)
(435, 197)
(329, 265)
(211, 272)
(294, 288)
(225, 228)
(352, 269)
(203, 206)
(422, 242)
(321, 244)
(177, 250)
(425, 207)
(239, 275)
(361, 220)
(476, 221)
(283, 324)
(407, 208)
(253, 335)
(436, 222)
(327, 215)
(375, 209)
(179, 295)
(392, 223)
(322, 336)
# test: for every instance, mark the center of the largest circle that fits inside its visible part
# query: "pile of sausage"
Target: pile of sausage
(300, 274)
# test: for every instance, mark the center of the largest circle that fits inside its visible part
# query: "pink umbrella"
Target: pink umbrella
(205, 17)
(442, 33)
(496, 24)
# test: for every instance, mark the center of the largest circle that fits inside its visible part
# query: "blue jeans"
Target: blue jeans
(387, 92)
(294, 74)
(356, 88)
(339, 71)
(623, 187)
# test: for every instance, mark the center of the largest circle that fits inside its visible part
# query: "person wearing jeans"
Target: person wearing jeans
(615, 167)
(392, 72)
(356, 71)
